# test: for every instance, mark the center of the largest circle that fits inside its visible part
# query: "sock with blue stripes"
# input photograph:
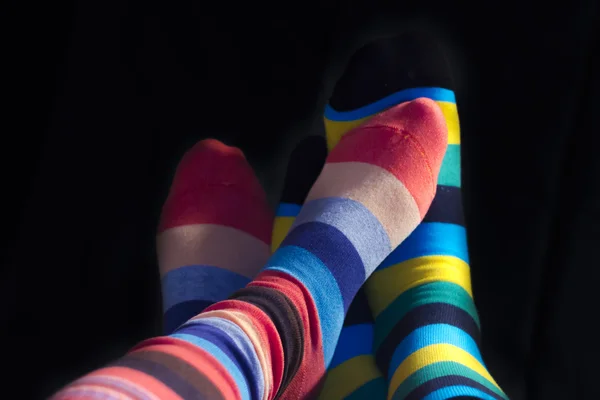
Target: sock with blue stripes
(214, 232)
(426, 325)
(354, 347)
(352, 212)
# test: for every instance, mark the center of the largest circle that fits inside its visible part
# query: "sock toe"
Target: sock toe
(212, 170)
(415, 137)
(424, 121)
(211, 162)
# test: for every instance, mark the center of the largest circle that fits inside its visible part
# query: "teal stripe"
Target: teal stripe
(223, 358)
(450, 171)
(437, 370)
(433, 334)
(320, 282)
(433, 93)
(375, 389)
(435, 292)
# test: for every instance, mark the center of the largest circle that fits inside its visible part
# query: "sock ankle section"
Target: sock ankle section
(214, 231)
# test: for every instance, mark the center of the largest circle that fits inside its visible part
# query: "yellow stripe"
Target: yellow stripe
(281, 227)
(349, 376)
(432, 354)
(384, 286)
(336, 129)
(451, 115)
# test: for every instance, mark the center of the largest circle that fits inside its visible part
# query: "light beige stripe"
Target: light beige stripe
(376, 189)
(215, 245)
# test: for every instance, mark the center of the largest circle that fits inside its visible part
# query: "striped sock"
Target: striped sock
(214, 231)
(275, 337)
(356, 337)
(360, 94)
(349, 207)
(427, 328)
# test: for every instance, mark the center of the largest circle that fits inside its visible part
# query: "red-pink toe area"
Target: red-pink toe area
(408, 140)
(214, 184)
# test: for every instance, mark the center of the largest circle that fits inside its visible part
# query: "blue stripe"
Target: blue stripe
(199, 282)
(431, 239)
(335, 251)
(450, 392)
(434, 93)
(234, 342)
(288, 210)
(321, 284)
(356, 222)
(216, 352)
(355, 340)
(429, 335)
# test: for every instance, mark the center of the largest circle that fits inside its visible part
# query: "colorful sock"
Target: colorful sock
(214, 232)
(357, 97)
(427, 328)
(275, 337)
(347, 183)
(356, 337)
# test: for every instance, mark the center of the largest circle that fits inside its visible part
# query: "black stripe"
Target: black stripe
(449, 380)
(389, 65)
(181, 313)
(427, 314)
(359, 311)
(175, 373)
(446, 206)
(465, 398)
(284, 315)
(305, 165)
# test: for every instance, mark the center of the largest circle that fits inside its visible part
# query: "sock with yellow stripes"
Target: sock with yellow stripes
(426, 325)
(214, 232)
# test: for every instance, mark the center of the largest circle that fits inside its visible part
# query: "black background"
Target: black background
(103, 97)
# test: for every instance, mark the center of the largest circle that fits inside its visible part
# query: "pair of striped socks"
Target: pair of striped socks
(412, 331)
